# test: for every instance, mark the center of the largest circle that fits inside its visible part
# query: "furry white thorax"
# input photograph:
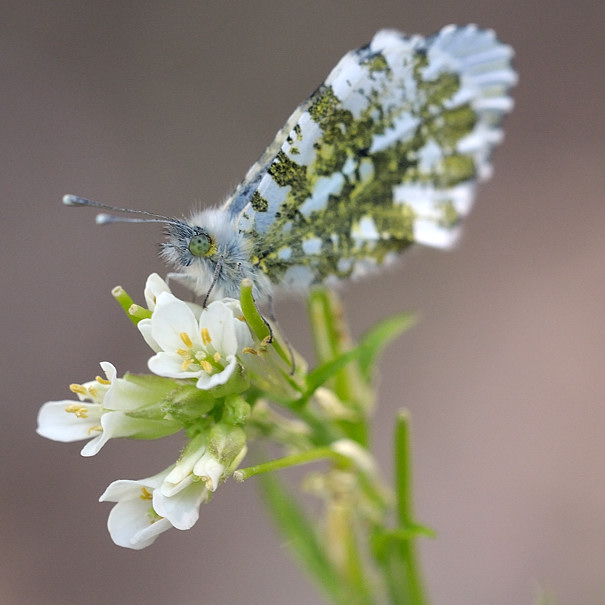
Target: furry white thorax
(232, 256)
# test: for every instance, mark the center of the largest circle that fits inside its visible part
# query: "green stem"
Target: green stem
(332, 339)
(125, 301)
(258, 324)
(294, 460)
(412, 585)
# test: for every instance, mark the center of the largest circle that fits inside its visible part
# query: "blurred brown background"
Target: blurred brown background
(159, 105)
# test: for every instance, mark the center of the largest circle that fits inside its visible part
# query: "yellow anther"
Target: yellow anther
(95, 429)
(186, 363)
(102, 380)
(206, 336)
(216, 357)
(206, 366)
(183, 352)
(266, 340)
(78, 389)
(79, 410)
(250, 350)
(241, 318)
(92, 392)
(145, 494)
(185, 338)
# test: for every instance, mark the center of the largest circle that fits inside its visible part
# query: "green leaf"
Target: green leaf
(300, 535)
(366, 352)
(382, 540)
(322, 373)
(375, 340)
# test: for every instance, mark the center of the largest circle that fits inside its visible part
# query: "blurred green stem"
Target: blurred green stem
(350, 551)
(414, 591)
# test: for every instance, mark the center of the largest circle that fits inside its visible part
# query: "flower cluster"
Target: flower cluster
(206, 368)
(225, 377)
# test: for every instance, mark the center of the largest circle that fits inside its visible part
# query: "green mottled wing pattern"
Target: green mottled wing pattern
(387, 152)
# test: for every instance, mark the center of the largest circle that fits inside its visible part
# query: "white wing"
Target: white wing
(386, 152)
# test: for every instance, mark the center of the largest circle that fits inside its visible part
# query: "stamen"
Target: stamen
(183, 352)
(79, 389)
(95, 429)
(186, 363)
(79, 410)
(206, 336)
(206, 366)
(186, 339)
(216, 357)
(102, 380)
(250, 350)
(207, 481)
(145, 494)
(92, 392)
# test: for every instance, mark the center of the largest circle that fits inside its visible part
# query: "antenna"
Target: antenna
(103, 218)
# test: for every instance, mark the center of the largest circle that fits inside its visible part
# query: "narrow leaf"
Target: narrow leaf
(321, 374)
(375, 340)
(300, 535)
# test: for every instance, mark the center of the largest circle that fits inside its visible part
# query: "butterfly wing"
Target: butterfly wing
(385, 153)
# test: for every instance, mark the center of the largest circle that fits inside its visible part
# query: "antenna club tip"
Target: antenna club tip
(70, 200)
(103, 219)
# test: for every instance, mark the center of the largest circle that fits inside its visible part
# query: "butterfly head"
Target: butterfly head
(207, 253)
(185, 243)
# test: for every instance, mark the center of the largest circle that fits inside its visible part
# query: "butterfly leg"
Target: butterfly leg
(215, 276)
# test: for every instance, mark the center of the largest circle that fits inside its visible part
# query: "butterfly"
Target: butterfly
(387, 152)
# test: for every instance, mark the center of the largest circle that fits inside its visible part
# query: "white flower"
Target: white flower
(154, 286)
(142, 512)
(110, 412)
(207, 459)
(195, 464)
(183, 508)
(192, 342)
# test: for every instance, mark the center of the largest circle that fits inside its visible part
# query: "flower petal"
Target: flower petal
(170, 319)
(145, 328)
(207, 381)
(170, 365)
(218, 319)
(154, 286)
(182, 509)
(117, 424)
(209, 470)
(68, 420)
(128, 488)
(131, 525)
(133, 522)
(110, 370)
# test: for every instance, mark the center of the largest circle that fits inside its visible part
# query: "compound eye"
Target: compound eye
(201, 245)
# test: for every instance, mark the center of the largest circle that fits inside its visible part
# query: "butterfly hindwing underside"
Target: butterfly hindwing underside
(387, 152)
